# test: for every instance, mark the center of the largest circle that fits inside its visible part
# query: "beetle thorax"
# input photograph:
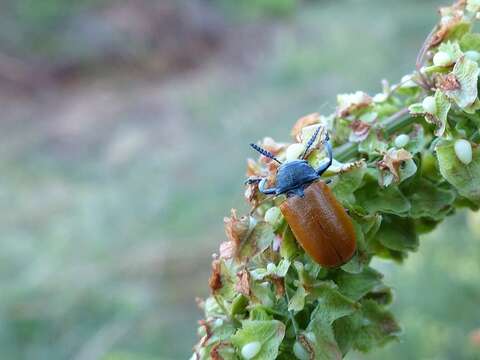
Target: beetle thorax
(293, 175)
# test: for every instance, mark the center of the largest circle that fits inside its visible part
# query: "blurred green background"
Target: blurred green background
(123, 133)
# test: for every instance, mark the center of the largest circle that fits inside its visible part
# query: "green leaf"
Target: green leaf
(355, 264)
(221, 330)
(346, 183)
(466, 72)
(428, 199)
(212, 309)
(297, 302)
(288, 248)
(417, 140)
(370, 327)
(226, 352)
(321, 340)
(472, 109)
(346, 332)
(282, 268)
(389, 200)
(279, 270)
(416, 109)
(356, 286)
(258, 241)
(398, 233)
(332, 304)
(269, 333)
(259, 273)
(457, 31)
(239, 304)
(452, 49)
(263, 293)
(372, 145)
(370, 225)
(362, 228)
(380, 327)
(228, 279)
(439, 118)
(408, 169)
(465, 178)
(470, 41)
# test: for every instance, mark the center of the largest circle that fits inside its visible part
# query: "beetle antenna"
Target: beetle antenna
(265, 153)
(311, 141)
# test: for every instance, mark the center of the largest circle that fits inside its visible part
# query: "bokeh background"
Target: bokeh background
(123, 136)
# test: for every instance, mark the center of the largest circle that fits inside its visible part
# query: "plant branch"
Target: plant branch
(392, 124)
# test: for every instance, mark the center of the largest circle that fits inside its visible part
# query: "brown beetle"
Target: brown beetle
(319, 222)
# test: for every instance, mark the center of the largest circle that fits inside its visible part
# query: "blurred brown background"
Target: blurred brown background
(123, 135)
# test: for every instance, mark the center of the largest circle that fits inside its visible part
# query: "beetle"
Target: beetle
(319, 222)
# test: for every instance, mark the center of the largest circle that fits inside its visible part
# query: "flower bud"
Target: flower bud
(250, 350)
(463, 150)
(429, 105)
(401, 140)
(442, 58)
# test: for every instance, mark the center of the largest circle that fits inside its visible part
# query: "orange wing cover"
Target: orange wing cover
(321, 225)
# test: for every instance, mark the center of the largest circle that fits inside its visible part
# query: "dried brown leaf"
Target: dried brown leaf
(279, 286)
(228, 249)
(236, 228)
(208, 332)
(214, 352)
(304, 121)
(243, 283)
(271, 145)
(348, 103)
(392, 160)
(253, 168)
(360, 131)
(215, 281)
(447, 82)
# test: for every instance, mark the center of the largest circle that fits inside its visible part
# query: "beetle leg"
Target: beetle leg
(253, 180)
(325, 166)
(261, 187)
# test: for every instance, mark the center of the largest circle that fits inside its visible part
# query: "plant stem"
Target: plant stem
(391, 124)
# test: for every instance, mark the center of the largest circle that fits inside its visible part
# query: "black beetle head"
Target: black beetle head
(294, 175)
